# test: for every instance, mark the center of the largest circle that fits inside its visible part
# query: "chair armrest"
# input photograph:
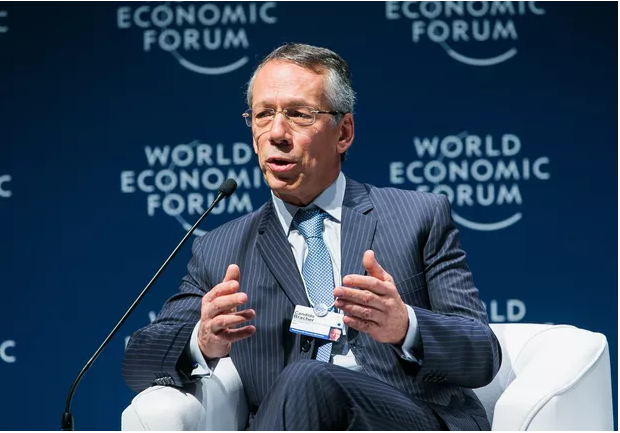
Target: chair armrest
(214, 403)
(562, 382)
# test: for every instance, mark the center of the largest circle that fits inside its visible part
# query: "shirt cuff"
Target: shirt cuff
(200, 366)
(411, 339)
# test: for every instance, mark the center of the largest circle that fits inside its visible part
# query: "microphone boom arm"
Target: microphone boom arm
(67, 418)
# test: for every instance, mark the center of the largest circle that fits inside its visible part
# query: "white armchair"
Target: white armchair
(553, 377)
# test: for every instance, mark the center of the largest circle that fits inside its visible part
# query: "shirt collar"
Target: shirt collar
(330, 200)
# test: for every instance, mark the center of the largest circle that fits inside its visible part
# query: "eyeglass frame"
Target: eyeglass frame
(247, 114)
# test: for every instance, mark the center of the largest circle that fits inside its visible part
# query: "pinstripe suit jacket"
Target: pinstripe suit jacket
(414, 239)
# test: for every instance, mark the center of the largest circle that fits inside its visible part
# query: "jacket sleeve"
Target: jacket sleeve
(457, 346)
(156, 354)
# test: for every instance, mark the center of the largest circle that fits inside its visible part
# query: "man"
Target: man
(415, 338)
(334, 334)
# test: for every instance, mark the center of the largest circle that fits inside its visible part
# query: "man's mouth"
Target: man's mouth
(280, 165)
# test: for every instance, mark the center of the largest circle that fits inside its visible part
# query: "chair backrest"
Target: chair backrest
(512, 338)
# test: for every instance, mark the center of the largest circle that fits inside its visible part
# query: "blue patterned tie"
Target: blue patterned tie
(317, 269)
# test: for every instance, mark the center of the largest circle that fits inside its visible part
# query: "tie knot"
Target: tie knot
(309, 222)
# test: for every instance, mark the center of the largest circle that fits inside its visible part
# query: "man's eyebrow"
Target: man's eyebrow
(289, 103)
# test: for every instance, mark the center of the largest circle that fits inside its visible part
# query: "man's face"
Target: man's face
(334, 334)
(298, 162)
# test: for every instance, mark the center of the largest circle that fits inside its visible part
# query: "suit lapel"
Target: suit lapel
(358, 228)
(273, 246)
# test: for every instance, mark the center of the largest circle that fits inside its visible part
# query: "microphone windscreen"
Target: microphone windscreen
(228, 187)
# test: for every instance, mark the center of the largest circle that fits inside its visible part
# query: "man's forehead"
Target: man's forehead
(277, 66)
(286, 83)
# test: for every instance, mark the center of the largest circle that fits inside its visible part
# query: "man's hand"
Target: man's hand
(376, 307)
(218, 315)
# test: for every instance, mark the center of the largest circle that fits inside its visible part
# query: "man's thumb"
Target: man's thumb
(373, 267)
(232, 273)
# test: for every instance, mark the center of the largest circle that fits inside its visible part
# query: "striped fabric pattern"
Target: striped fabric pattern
(414, 238)
(310, 396)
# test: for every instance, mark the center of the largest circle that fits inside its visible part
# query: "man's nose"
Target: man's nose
(279, 128)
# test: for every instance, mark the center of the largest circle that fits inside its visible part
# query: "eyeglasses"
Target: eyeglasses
(300, 116)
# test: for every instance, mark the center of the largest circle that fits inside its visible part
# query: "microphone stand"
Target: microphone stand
(67, 417)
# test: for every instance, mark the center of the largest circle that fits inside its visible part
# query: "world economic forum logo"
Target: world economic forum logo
(482, 176)
(505, 310)
(5, 188)
(193, 32)
(476, 33)
(182, 180)
(6, 351)
(3, 27)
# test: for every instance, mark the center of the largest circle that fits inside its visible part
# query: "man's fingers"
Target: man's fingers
(373, 267)
(224, 304)
(232, 273)
(234, 335)
(362, 297)
(226, 287)
(359, 311)
(359, 324)
(220, 290)
(226, 321)
(367, 283)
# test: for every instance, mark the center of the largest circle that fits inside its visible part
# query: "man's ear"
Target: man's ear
(347, 133)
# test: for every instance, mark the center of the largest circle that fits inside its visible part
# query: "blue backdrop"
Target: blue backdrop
(117, 120)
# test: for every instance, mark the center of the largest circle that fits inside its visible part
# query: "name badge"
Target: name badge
(306, 322)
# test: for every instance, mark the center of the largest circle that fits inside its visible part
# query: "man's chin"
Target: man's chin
(281, 181)
(284, 188)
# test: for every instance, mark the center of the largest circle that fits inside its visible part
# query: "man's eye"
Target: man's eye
(299, 114)
(264, 114)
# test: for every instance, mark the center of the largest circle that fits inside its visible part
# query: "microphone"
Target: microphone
(225, 190)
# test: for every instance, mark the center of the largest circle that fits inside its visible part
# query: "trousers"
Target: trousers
(314, 395)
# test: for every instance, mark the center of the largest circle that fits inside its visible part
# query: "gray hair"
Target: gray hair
(338, 86)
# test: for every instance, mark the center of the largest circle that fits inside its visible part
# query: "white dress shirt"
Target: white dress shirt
(330, 201)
